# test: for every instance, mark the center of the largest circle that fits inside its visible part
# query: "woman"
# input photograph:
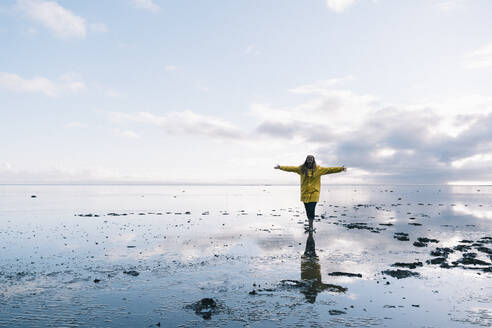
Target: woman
(310, 183)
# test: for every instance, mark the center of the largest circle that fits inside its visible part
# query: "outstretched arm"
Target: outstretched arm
(295, 169)
(330, 170)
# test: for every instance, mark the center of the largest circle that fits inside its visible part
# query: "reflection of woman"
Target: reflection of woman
(310, 183)
(311, 273)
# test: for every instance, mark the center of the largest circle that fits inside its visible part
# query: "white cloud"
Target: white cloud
(75, 125)
(479, 58)
(319, 87)
(475, 161)
(450, 5)
(147, 5)
(384, 152)
(186, 122)
(71, 82)
(112, 93)
(98, 27)
(63, 174)
(60, 21)
(336, 110)
(252, 50)
(128, 134)
(67, 83)
(428, 142)
(170, 68)
(339, 6)
(5, 166)
(36, 84)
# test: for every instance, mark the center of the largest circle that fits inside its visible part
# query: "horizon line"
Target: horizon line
(228, 184)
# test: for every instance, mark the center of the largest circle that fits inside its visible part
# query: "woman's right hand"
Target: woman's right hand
(276, 167)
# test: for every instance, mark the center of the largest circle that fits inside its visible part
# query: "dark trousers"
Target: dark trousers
(310, 207)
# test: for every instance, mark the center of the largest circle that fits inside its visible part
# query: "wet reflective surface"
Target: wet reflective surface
(141, 255)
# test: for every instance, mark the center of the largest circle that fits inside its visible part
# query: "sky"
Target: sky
(219, 92)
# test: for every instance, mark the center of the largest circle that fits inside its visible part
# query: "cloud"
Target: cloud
(36, 84)
(127, 134)
(320, 87)
(75, 125)
(67, 83)
(71, 82)
(479, 58)
(186, 122)
(430, 142)
(252, 50)
(98, 27)
(147, 5)
(61, 174)
(5, 166)
(170, 68)
(339, 6)
(450, 5)
(112, 93)
(60, 21)
(334, 109)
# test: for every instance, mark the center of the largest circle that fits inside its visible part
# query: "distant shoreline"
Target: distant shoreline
(227, 184)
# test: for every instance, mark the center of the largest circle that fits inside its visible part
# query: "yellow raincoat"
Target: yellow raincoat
(311, 184)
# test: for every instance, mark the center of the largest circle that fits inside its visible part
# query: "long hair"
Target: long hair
(304, 168)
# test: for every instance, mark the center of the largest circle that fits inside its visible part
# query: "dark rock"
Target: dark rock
(466, 241)
(204, 307)
(470, 261)
(362, 226)
(484, 250)
(427, 240)
(407, 265)
(253, 292)
(445, 265)
(131, 273)
(486, 240)
(336, 312)
(402, 236)
(346, 274)
(97, 280)
(33, 196)
(437, 260)
(386, 224)
(415, 224)
(462, 248)
(400, 274)
(312, 285)
(442, 251)
(419, 244)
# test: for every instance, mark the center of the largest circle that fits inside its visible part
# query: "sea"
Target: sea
(240, 256)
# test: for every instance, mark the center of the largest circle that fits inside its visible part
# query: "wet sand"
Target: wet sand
(126, 256)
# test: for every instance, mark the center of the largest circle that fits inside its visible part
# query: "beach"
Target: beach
(146, 256)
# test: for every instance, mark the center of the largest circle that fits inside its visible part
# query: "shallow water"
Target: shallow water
(224, 242)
